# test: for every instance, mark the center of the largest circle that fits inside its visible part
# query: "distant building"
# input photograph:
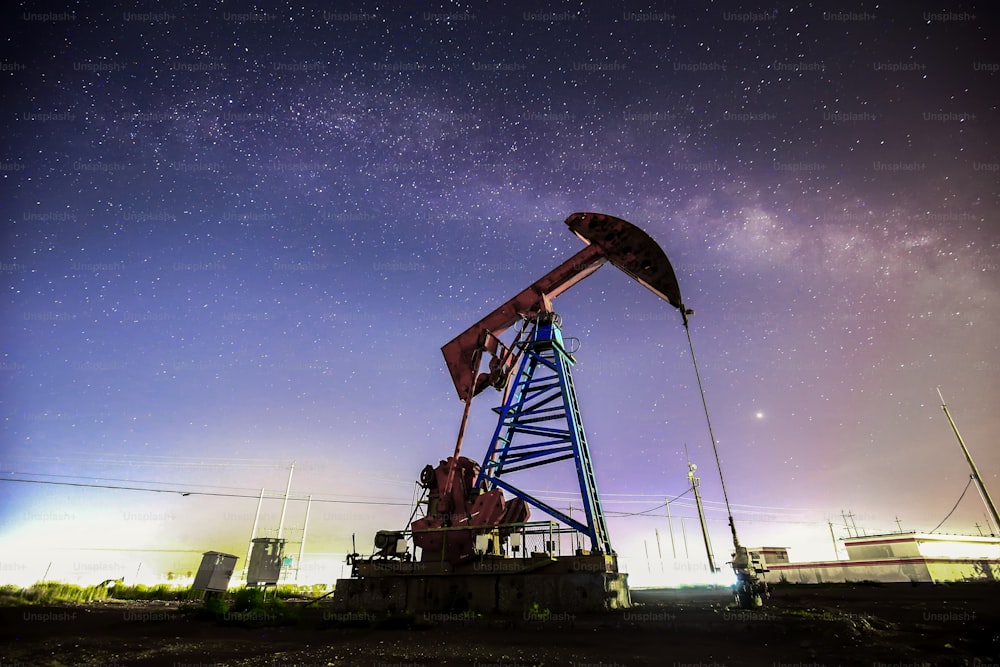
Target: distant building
(894, 557)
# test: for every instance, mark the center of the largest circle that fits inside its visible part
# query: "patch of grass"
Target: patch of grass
(10, 596)
(248, 599)
(286, 591)
(536, 612)
(242, 606)
(51, 592)
(157, 592)
(246, 606)
(215, 606)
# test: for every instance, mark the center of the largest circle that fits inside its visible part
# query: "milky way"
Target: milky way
(237, 239)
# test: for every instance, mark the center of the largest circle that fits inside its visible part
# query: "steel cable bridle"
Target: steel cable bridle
(711, 433)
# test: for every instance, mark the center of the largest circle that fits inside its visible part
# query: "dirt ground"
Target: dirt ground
(876, 626)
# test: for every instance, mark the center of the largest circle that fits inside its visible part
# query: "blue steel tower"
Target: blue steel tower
(540, 424)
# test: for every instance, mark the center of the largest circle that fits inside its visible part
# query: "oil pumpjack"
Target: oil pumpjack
(478, 549)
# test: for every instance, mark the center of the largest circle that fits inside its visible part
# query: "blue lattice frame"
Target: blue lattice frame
(543, 392)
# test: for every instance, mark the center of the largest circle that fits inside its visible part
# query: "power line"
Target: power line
(553, 494)
(199, 493)
(275, 495)
(956, 503)
(106, 462)
(131, 481)
(153, 460)
(644, 512)
(130, 550)
(183, 487)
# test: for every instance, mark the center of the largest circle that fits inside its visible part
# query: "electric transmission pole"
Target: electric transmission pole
(695, 483)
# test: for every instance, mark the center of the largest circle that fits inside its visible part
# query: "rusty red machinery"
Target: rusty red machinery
(468, 517)
(464, 493)
(460, 505)
(608, 239)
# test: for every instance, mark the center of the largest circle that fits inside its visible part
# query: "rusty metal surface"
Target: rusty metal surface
(455, 502)
(631, 250)
(459, 354)
(609, 239)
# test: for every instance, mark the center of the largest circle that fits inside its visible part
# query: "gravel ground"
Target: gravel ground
(801, 625)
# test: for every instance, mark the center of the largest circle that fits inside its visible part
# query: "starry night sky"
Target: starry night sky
(236, 236)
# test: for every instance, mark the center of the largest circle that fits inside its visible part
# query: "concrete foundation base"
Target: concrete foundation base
(569, 592)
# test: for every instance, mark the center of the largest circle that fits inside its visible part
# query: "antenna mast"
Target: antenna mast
(972, 464)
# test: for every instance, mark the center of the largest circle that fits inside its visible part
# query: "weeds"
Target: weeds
(536, 612)
(215, 606)
(248, 599)
(295, 591)
(242, 606)
(53, 593)
(157, 592)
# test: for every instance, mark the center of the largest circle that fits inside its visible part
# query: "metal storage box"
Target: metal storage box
(265, 561)
(214, 572)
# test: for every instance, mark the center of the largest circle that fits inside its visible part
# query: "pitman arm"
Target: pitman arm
(608, 239)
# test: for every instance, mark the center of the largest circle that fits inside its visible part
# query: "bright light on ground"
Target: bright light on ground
(673, 573)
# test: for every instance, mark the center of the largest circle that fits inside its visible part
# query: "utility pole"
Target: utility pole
(695, 483)
(850, 515)
(302, 544)
(899, 525)
(670, 527)
(284, 504)
(984, 494)
(836, 550)
(846, 527)
(575, 538)
(989, 525)
(658, 549)
(253, 532)
(687, 554)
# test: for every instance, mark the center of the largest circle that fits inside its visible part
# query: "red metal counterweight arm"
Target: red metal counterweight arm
(460, 353)
(464, 354)
(608, 239)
